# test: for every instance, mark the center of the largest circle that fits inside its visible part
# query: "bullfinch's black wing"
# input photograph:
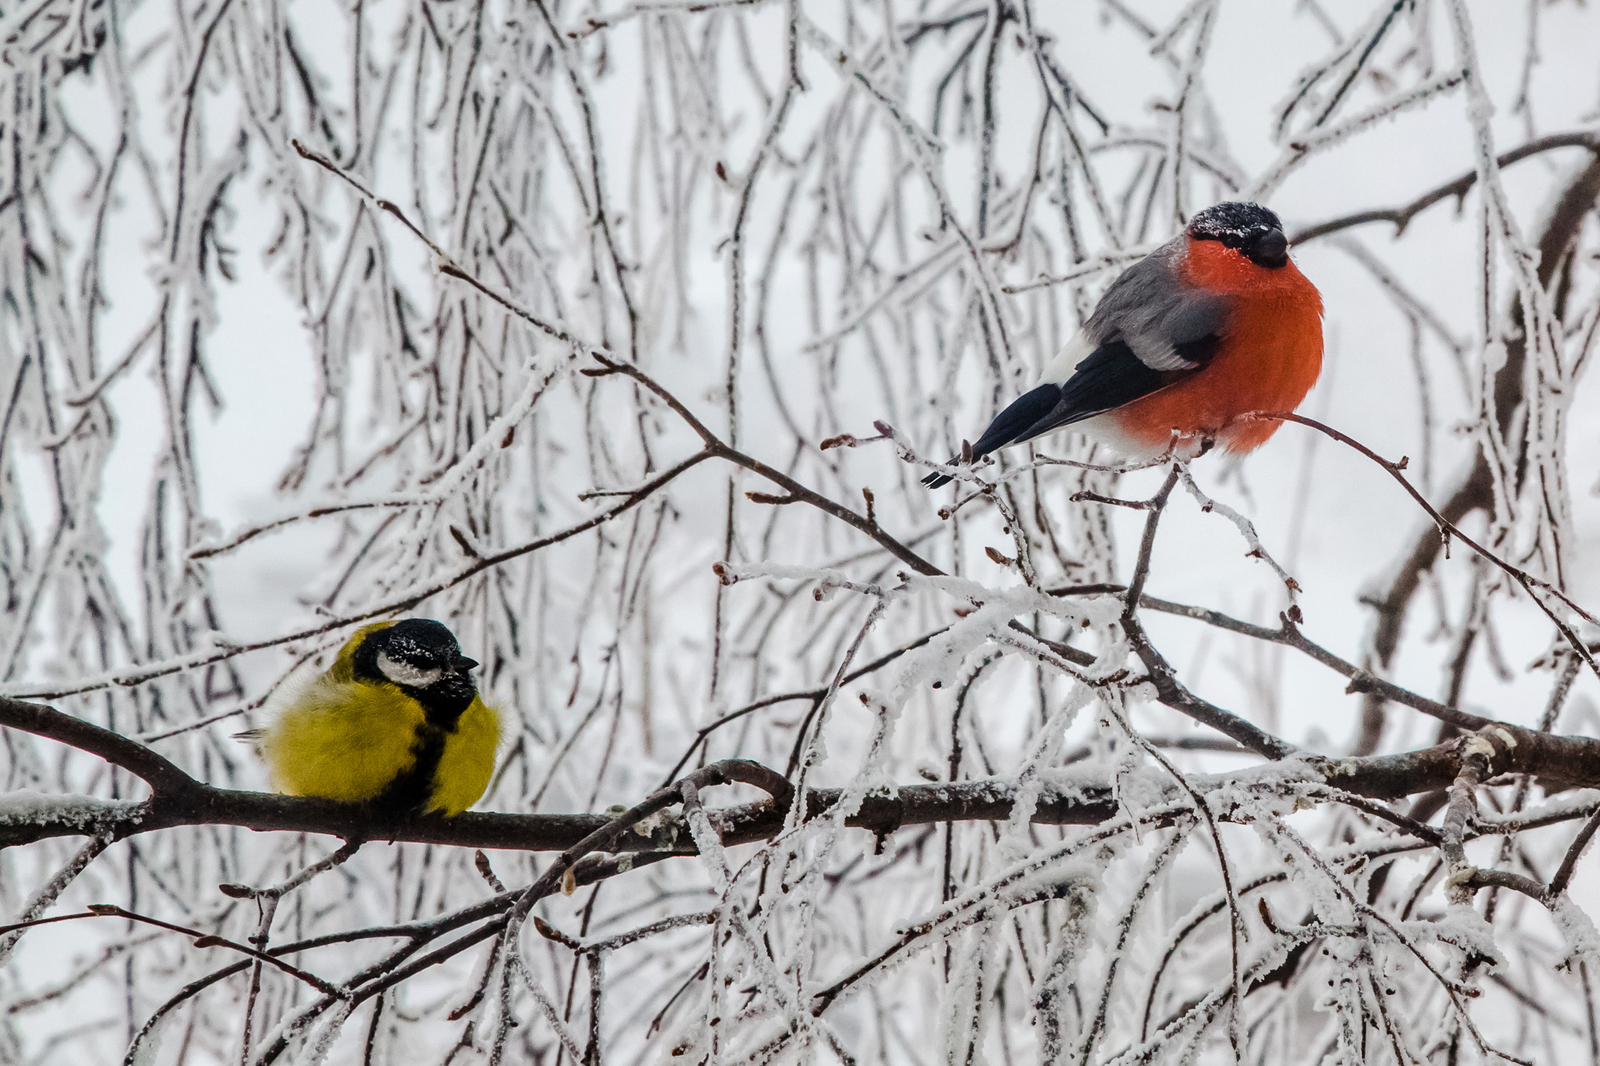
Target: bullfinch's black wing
(1149, 330)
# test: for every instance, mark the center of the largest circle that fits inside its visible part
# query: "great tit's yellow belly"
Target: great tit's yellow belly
(349, 740)
(468, 760)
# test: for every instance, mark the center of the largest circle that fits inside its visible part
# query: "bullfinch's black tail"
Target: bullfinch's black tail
(1015, 423)
(934, 481)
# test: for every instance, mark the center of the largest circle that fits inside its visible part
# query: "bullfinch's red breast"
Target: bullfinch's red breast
(1214, 324)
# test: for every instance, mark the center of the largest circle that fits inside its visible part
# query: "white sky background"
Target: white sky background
(1335, 520)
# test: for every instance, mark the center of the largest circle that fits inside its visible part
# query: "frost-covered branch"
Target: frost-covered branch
(553, 321)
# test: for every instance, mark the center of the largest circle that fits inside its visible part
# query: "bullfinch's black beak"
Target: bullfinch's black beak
(1272, 249)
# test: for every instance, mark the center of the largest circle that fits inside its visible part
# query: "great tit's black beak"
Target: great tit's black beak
(463, 664)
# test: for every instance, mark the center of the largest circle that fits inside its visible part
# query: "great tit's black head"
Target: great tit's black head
(1251, 228)
(422, 657)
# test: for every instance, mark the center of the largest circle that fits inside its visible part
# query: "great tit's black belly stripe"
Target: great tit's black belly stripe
(408, 793)
(413, 787)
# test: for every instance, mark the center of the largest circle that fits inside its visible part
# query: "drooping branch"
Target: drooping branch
(797, 492)
(1169, 689)
(1401, 216)
(152, 671)
(1448, 529)
(1475, 491)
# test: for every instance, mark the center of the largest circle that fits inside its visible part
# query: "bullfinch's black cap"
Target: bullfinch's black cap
(1249, 227)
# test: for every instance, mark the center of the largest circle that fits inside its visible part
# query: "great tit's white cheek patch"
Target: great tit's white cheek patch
(406, 674)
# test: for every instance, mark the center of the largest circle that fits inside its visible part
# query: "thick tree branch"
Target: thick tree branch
(163, 777)
(1557, 762)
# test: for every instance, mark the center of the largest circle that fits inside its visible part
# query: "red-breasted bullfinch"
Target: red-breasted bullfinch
(1214, 324)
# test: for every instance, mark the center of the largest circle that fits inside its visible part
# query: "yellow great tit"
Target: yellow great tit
(395, 723)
